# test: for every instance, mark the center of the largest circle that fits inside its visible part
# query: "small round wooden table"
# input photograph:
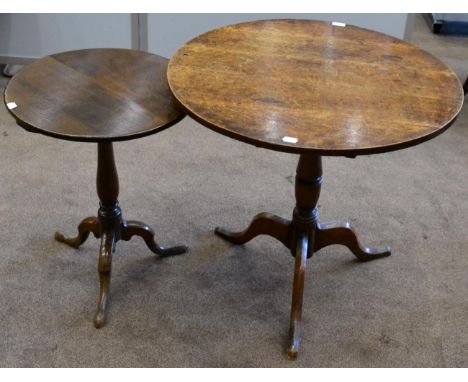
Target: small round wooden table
(102, 96)
(312, 88)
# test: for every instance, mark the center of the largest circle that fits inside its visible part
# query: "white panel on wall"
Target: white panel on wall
(36, 35)
(166, 32)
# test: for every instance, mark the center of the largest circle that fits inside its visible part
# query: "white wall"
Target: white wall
(166, 32)
(36, 35)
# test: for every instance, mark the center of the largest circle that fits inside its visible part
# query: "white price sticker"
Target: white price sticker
(11, 105)
(289, 140)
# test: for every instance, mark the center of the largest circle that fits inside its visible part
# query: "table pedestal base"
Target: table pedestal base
(303, 235)
(110, 228)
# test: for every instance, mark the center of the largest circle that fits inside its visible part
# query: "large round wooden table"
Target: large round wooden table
(313, 88)
(101, 96)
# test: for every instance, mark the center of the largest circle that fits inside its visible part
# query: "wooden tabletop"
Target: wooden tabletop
(94, 95)
(310, 86)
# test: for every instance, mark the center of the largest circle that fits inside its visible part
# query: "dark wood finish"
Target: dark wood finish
(94, 95)
(87, 225)
(98, 95)
(344, 234)
(262, 224)
(110, 227)
(465, 86)
(338, 90)
(303, 235)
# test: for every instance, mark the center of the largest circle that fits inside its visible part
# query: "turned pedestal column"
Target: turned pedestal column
(303, 235)
(110, 227)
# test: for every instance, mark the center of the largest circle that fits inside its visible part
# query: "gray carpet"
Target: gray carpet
(222, 305)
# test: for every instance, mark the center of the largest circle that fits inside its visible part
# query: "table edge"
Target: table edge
(325, 152)
(83, 138)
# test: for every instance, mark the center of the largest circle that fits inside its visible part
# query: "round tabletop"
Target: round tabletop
(94, 95)
(306, 86)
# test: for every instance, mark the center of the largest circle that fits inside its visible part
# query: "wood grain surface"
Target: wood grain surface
(94, 95)
(337, 90)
